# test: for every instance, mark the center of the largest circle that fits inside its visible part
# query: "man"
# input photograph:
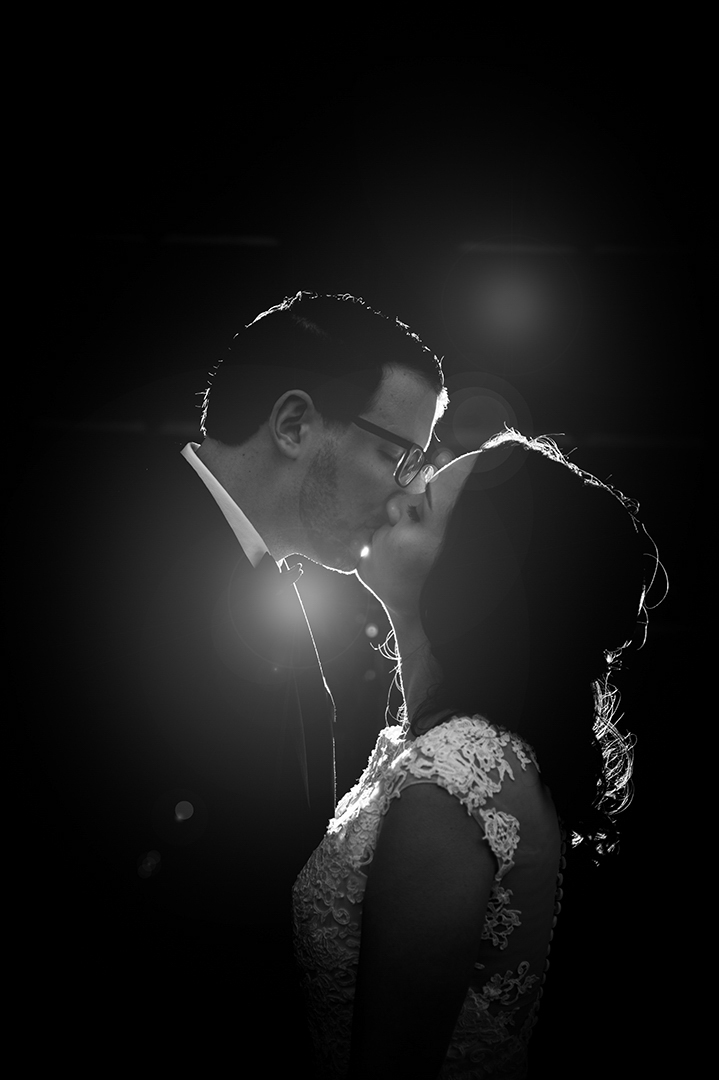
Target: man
(205, 745)
(304, 435)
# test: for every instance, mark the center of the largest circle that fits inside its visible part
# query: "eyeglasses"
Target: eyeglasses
(411, 462)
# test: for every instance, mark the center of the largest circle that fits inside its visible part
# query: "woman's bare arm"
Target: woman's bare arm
(427, 892)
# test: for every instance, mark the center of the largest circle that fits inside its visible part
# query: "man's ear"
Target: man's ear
(292, 419)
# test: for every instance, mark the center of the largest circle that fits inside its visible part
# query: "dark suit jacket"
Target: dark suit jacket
(191, 794)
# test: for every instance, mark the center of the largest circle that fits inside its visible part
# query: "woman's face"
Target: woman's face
(402, 552)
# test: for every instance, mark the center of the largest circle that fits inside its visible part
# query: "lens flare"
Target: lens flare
(184, 810)
(148, 864)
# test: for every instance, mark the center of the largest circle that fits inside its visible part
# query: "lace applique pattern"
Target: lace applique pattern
(465, 756)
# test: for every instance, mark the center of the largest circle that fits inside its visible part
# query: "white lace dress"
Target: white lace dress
(496, 778)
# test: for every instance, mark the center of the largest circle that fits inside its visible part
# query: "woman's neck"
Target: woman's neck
(419, 671)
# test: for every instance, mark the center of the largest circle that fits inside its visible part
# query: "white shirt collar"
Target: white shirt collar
(250, 540)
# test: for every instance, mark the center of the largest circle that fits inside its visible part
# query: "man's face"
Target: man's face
(344, 494)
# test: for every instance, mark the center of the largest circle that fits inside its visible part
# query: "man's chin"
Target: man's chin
(340, 559)
(342, 568)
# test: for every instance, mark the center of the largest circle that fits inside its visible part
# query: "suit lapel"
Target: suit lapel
(276, 646)
(318, 730)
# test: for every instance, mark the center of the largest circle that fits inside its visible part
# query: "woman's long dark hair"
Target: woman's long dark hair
(538, 588)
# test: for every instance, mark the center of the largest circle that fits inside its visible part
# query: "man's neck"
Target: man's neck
(241, 472)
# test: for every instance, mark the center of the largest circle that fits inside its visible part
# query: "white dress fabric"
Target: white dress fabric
(496, 778)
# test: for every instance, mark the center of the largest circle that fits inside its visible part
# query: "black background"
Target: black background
(171, 202)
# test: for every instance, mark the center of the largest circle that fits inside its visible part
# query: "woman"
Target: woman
(423, 920)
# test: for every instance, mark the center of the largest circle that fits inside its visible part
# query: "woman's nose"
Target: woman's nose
(397, 505)
(394, 508)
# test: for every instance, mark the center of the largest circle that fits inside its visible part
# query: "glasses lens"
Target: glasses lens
(410, 466)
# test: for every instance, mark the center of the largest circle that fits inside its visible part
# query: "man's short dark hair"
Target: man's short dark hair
(335, 347)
